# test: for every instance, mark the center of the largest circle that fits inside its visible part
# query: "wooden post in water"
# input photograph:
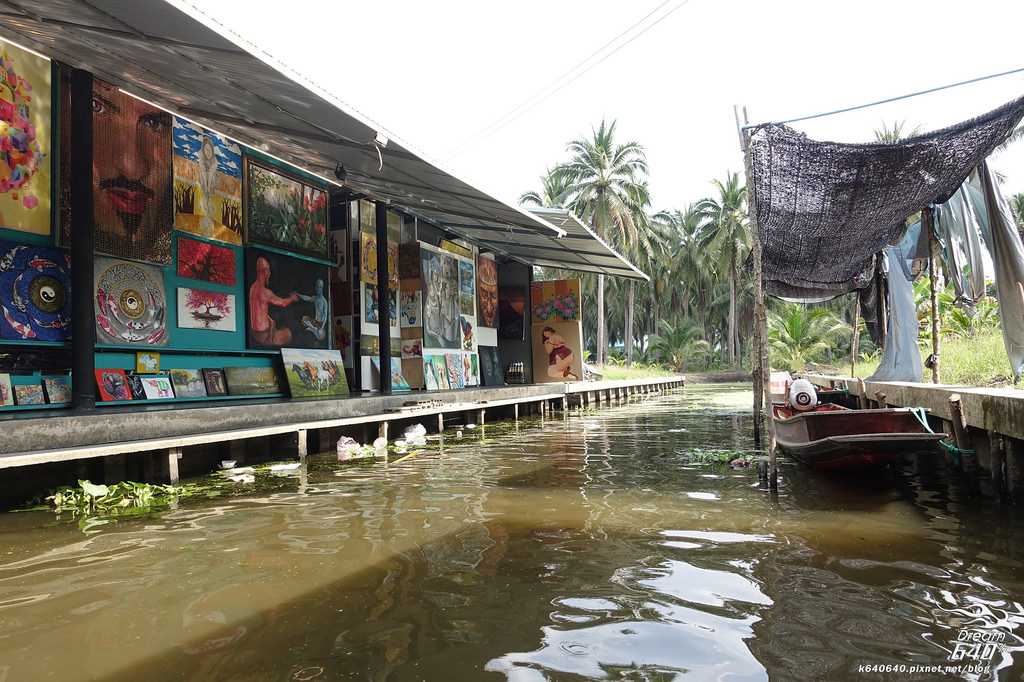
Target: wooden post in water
(933, 271)
(855, 341)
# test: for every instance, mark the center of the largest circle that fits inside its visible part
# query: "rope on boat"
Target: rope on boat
(956, 454)
(921, 414)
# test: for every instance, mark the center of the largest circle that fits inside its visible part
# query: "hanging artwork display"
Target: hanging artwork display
(398, 382)
(132, 177)
(205, 261)
(487, 292)
(456, 371)
(251, 380)
(371, 305)
(188, 383)
(286, 301)
(469, 368)
(490, 367)
(512, 313)
(35, 292)
(555, 300)
(441, 326)
(557, 352)
(314, 373)
(25, 125)
(430, 374)
(135, 384)
(215, 380)
(368, 258)
(129, 303)
(29, 394)
(411, 304)
(58, 389)
(113, 384)
(157, 386)
(201, 309)
(412, 348)
(282, 210)
(207, 183)
(468, 335)
(147, 362)
(467, 288)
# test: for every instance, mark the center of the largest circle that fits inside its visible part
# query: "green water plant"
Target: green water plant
(89, 498)
(714, 455)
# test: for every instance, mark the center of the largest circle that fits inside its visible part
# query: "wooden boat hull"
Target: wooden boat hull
(833, 438)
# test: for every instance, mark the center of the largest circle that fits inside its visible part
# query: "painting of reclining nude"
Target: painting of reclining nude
(314, 373)
(287, 302)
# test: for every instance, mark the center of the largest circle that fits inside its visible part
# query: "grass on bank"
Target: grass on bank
(635, 371)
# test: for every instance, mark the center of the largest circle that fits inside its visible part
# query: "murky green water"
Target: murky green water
(588, 548)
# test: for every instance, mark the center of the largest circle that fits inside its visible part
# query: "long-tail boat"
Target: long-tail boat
(835, 438)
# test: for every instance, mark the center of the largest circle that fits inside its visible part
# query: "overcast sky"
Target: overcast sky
(439, 73)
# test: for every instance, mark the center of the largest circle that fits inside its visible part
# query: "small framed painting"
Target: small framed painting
(6, 391)
(135, 384)
(216, 382)
(58, 389)
(188, 383)
(113, 384)
(157, 386)
(147, 362)
(29, 394)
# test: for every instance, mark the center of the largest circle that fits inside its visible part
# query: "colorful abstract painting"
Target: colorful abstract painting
(35, 293)
(113, 384)
(58, 389)
(188, 383)
(201, 309)
(287, 302)
(147, 362)
(284, 211)
(368, 258)
(25, 125)
(557, 351)
(314, 373)
(456, 371)
(206, 262)
(487, 292)
(133, 201)
(29, 394)
(555, 300)
(157, 386)
(251, 380)
(467, 288)
(129, 303)
(440, 275)
(207, 183)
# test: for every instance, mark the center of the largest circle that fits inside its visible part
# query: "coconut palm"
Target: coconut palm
(1017, 206)
(552, 194)
(677, 344)
(891, 134)
(797, 334)
(607, 185)
(726, 236)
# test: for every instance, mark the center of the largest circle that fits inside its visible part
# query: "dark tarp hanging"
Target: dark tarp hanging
(825, 208)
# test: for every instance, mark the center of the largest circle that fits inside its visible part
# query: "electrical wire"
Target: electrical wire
(895, 99)
(555, 85)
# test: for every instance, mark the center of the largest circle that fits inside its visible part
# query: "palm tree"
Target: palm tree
(607, 183)
(553, 192)
(677, 344)
(1017, 206)
(891, 134)
(798, 334)
(726, 235)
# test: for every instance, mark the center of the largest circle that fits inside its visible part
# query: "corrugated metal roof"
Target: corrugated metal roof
(175, 56)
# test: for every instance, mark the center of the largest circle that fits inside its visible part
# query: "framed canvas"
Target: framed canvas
(491, 373)
(113, 384)
(411, 303)
(188, 383)
(157, 386)
(216, 381)
(456, 373)
(557, 351)
(209, 310)
(467, 288)
(25, 190)
(555, 300)
(441, 369)
(314, 373)
(412, 348)
(287, 302)
(487, 292)
(35, 292)
(207, 183)
(29, 394)
(129, 303)
(430, 374)
(6, 390)
(132, 209)
(252, 380)
(368, 258)
(205, 261)
(398, 382)
(283, 210)
(135, 384)
(440, 299)
(58, 389)
(147, 362)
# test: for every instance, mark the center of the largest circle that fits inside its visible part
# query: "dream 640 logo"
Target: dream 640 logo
(976, 645)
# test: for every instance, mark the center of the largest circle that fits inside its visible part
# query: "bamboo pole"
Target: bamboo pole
(855, 341)
(933, 269)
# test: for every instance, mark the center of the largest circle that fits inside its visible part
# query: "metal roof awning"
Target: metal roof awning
(173, 55)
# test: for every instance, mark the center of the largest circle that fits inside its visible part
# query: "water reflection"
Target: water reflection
(589, 548)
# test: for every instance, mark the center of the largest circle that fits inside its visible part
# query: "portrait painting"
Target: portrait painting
(188, 383)
(25, 129)
(35, 293)
(207, 183)
(206, 262)
(252, 380)
(210, 310)
(314, 373)
(557, 351)
(215, 380)
(441, 326)
(132, 176)
(487, 292)
(287, 302)
(285, 211)
(129, 303)
(113, 384)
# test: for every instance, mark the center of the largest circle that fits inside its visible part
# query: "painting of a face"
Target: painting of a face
(132, 176)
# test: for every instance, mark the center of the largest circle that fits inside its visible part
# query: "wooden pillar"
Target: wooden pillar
(997, 462)
(302, 443)
(173, 455)
(440, 421)
(382, 430)
(855, 341)
(1014, 471)
(862, 398)
(83, 326)
(480, 418)
(383, 298)
(933, 287)
(515, 412)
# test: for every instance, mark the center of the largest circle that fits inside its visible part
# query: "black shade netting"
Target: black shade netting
(825, 208)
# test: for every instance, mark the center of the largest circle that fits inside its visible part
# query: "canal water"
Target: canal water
(585, 547)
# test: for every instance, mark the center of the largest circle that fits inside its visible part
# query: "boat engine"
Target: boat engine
(802, 395)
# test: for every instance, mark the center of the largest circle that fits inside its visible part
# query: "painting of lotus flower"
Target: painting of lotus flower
(284, 211)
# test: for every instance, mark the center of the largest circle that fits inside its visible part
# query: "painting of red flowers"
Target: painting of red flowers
(208, 262)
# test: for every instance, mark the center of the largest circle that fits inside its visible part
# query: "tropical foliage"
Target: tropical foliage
(798, 334)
